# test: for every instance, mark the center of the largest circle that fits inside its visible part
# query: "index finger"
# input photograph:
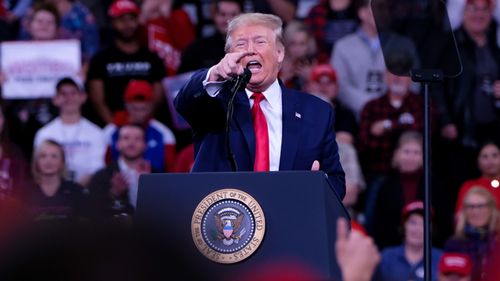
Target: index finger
(240, 55)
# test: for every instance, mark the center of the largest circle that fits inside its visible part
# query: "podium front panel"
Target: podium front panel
(300, 210)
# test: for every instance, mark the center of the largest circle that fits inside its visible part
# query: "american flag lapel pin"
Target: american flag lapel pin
(298, 115)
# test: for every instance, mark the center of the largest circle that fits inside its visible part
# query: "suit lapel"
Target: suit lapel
(291, 126)
(244, 121)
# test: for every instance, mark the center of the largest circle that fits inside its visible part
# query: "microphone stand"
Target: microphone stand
(229, 115)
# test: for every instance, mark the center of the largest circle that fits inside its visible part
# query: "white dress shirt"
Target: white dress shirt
(132, 177)
(272, 107)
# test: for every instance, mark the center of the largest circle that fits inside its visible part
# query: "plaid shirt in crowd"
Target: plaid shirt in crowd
(317, 21)
(376, 151)
(320, 20)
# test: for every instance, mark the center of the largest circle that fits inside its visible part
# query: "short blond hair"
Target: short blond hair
(271, 21)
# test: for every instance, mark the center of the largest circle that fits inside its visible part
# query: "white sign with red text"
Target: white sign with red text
(31, 69)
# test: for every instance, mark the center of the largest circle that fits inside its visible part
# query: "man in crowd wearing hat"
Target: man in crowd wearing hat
(454, 267)
(139, 100)
(112, 68)
(82, 140)
(323, 83)
(406, 261)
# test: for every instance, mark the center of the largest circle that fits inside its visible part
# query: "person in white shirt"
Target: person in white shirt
(83, 141)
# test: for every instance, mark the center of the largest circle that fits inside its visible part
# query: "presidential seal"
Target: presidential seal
(228, 226)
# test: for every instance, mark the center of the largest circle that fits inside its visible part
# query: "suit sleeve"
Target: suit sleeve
(330, 162)
(203, 113)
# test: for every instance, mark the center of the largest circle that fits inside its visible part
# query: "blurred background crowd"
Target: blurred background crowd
(78, 155)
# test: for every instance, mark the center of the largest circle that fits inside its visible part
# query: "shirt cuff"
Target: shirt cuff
(212, 87)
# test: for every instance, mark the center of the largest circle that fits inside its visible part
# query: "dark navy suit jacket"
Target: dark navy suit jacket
(308, 131)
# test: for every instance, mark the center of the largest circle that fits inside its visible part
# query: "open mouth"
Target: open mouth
(254, 65)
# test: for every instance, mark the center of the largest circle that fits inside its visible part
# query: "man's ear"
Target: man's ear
(281, 53)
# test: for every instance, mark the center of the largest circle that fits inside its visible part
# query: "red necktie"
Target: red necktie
(261, 135)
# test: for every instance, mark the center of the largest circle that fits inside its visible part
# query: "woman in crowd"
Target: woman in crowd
(76, 22)
(53, 197)
(488, 162)
(300, 55)
(476, 228)
(402, 186)
(28, 115)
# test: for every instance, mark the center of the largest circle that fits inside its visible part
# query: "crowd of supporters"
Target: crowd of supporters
(78, 155)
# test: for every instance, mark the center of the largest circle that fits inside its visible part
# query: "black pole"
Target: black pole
(427, 187)
(427, 76)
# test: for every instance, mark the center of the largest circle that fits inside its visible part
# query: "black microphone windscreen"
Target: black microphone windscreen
(247, 75)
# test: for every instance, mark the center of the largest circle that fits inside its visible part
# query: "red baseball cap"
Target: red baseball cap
(321, 70)
(488, 2)
(122, 7)
(138, 90)
(412, 207)
(455, 263)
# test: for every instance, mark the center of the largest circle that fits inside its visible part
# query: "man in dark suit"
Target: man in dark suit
(114, 188)
(273, 128)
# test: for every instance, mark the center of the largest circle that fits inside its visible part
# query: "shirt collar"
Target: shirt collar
(272, 94)
(124, 167)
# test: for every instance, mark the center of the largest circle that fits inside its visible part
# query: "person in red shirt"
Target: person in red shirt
(168, 31)
(488, 162)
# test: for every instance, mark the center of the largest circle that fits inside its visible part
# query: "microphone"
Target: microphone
(245, 76)
(241, 79)
(239, 82)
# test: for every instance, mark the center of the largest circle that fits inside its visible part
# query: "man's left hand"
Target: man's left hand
(315, 166)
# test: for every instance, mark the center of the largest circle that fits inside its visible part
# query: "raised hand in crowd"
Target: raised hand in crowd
(356, 253)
